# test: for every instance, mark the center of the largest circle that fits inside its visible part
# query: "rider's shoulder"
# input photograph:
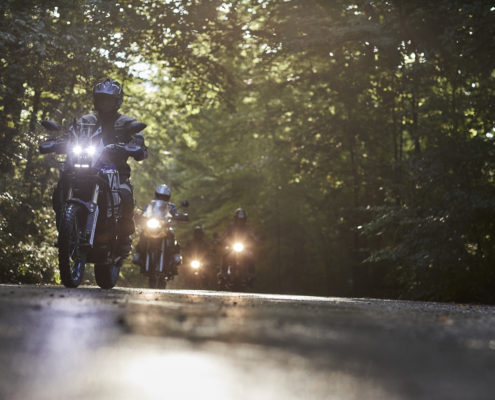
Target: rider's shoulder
(123, 120)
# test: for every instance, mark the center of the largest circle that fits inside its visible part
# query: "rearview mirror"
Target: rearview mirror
(50, 125)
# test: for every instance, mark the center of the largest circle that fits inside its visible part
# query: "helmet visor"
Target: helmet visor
(105, 103)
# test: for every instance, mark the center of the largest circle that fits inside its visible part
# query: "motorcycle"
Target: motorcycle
(89, 219)
(161, 249)
(198, 271)
(238, 271)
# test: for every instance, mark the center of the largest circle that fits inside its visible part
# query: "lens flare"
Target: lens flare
(153, 223)
(238, 247)
(91, 150)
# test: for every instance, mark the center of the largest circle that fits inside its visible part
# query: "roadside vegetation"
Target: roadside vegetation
(358, 135)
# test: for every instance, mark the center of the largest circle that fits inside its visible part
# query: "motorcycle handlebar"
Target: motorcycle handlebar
(132, 150)
(53, 146)
(181, 217)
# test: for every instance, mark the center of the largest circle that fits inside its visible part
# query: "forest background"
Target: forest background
(358, 135)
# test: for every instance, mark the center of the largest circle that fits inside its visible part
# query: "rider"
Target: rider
(198, 246)
(198, 243)
(163, 193)
(238, 230)
(107, 98)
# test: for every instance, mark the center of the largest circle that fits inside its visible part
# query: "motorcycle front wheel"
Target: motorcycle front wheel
(223, 284)
(70, 259)
(107, 275)
(157, 282)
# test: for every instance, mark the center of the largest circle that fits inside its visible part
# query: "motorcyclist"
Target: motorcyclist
(198, 244)
(163, 193)
(200, 248)
(238, 230)
(107, 98)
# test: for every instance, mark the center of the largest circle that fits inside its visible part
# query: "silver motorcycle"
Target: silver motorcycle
(161, 248)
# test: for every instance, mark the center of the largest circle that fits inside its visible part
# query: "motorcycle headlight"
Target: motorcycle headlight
(238, 247)
(90, 150)
(153, 223)
(77, 150)
(195, 264)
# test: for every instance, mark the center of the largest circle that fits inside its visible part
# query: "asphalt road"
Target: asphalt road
(89, 343)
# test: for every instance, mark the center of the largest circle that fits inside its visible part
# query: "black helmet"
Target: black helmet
(240, 215)
(107, 96)
(198, 232)
(163, 192)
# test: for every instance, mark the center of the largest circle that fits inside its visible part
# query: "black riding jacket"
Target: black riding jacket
(114, 131)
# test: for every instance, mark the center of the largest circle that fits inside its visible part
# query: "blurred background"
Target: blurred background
(357, 135)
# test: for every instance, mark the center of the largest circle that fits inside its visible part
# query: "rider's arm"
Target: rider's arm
(172, 208)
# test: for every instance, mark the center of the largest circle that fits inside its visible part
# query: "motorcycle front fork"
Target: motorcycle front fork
(161, 261)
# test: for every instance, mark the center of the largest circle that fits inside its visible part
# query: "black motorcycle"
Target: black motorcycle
(237, 272)
(89, 219)
(161, 248)
(198, 267)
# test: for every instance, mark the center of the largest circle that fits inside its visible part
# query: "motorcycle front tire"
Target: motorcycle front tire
(156, 282)
(70, 260)
(222, 284)
(107, 275)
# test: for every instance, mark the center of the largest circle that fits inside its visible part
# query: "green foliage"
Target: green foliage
(358, 135)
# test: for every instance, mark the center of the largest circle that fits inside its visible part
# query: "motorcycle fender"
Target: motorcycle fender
(92, 218)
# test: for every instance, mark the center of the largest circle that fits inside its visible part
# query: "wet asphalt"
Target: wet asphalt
(88, 343)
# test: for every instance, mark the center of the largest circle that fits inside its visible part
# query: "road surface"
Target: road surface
(88, 343)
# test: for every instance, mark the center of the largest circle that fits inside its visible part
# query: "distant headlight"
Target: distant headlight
(153, 223)
(195, 264)
(238, 247)
(77, 150)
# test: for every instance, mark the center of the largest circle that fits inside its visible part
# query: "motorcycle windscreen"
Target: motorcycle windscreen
(157, 209)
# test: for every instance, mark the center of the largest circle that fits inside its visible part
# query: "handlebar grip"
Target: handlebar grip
(52, 146)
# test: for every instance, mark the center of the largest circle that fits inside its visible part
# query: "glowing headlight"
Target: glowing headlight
(91, 150)
(77, 150)
(153, 223)
(238, 247)
(195, 264)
